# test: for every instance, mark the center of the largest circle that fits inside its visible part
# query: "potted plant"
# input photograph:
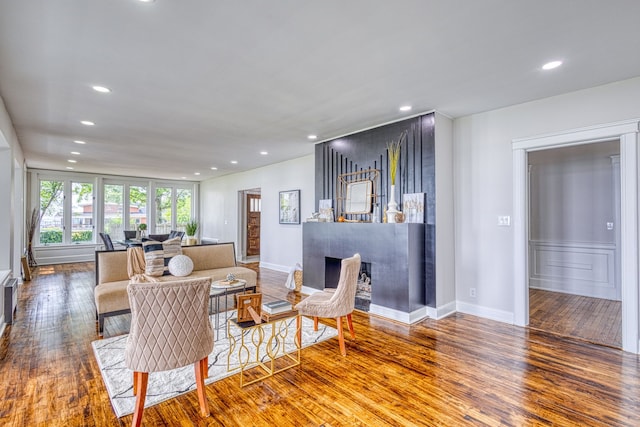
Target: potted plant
(191, 228)
(141, 229)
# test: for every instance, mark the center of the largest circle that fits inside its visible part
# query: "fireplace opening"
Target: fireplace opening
(363, 292)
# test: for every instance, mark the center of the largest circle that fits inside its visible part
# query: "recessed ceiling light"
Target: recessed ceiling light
(184, 177)
(72, 161)
(75, 153)
(213, 168)
(234, 162)
(101, 89)
(264, 153)
(405, 108)
(196, 173)
(77, 141)
(70, 167)
(87, 123)
(551, 65)
(312, 137)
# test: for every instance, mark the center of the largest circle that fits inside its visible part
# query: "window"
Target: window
(65, 220)
(114, 210)
(163, 210)
(51, 212)
(174, 208)
(137, 206)
(69, 206)
(81, 212)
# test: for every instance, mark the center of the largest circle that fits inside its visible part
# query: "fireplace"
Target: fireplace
(363, 292)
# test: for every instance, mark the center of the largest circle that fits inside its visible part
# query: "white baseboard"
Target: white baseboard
(441, 312)
(397, 315)
(276, 267)
(487, 313)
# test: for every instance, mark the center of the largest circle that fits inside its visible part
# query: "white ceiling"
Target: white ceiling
(198, 83)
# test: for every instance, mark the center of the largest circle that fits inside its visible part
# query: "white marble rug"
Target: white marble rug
(118, 379)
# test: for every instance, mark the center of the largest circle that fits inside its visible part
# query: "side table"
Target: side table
(219, 289)
(268, 338)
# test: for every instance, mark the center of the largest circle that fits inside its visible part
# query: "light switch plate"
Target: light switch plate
(504, 220)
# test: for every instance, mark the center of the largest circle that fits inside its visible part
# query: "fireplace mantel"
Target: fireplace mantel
(396, 253)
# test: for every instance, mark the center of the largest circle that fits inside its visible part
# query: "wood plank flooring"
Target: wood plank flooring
(461, 370)
(595, 320)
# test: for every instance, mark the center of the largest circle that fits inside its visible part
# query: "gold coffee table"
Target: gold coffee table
(267, 339)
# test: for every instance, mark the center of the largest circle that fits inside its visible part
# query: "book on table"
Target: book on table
(275, 307)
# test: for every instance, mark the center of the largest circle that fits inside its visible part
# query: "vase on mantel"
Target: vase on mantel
(392, 206)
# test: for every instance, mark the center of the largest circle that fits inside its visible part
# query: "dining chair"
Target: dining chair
(158, 237)
(176, 233)
(170, 328)
(337, 303)
(106, 239)
(130, 234)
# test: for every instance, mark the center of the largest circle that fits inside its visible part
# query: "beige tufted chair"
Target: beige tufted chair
(336, 303)
(170, 328)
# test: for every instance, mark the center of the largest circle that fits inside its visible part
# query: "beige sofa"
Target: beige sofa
(215, 261)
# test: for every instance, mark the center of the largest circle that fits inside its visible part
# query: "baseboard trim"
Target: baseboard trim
(485, 312)
(400, 316)
(441, 312)
(275, 267)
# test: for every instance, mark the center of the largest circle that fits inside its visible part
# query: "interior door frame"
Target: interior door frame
(627, 133)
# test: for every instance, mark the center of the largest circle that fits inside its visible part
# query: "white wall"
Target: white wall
(280, 245)
(12, 196)
(483, 183)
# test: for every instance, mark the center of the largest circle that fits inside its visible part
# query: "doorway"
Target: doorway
(250, 224)
(627, 133)
(574, 256)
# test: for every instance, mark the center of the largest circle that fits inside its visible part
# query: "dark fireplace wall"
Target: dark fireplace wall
(416, 173)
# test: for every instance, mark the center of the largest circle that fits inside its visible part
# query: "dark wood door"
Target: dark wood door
(253, 224)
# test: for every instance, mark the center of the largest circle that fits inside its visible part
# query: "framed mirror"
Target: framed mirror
(358, 197)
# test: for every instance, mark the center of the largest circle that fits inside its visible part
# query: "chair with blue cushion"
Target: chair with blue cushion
(176, 233)
(130, 234)
(106, 239)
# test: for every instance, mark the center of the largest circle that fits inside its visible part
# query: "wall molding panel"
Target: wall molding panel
(586, 269)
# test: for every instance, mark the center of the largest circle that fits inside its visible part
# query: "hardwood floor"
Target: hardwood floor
(595, 320)
(461, 370)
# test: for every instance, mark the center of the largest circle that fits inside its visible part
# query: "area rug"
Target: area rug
(118, 379)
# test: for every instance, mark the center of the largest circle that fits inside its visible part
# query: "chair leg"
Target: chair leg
(141, 393)
(299, 330)
(350, 323)
(201, 367)
(315, 323)
(343, 350)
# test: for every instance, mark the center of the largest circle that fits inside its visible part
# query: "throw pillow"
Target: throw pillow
(153, 257)
(158, 254)
(180, 265)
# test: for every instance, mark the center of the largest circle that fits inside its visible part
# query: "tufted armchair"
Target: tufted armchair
(170, 328)
(336, 303)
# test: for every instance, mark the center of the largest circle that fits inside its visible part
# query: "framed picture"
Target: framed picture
(289, 207)
(413, 207)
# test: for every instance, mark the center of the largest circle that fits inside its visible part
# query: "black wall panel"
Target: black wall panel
(416, 172)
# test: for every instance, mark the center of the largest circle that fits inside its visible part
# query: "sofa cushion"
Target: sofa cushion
(158, 254)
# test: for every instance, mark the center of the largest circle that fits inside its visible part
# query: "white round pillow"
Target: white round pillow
(180, 266)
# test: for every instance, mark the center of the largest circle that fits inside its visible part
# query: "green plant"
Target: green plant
(191, 227)
(394, 156)
(142, 227)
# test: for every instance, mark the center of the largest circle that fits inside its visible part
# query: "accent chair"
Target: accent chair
(336, 303)
(170, 328)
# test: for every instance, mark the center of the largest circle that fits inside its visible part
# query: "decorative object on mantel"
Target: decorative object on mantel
(393, 148)
(326, 210)
(413, 207)
(356, 194)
